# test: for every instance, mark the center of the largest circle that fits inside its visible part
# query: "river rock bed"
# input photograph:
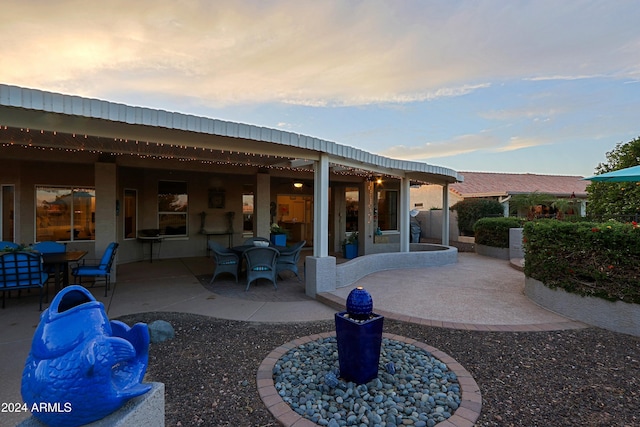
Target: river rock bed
(571, 378)
(412, 388)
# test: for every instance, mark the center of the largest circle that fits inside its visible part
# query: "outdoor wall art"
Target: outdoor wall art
(216, 199)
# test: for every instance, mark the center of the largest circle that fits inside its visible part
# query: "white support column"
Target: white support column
(321, 207)
(263, 204)
(320, 269)
(404, 209)
(106, 221)
(338, 228)
(445, 215)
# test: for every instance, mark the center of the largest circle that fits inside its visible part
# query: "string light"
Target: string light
(161, 151)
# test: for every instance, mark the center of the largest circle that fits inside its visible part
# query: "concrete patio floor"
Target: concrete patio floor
(477, 293)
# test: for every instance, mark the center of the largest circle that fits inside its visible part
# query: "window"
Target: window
(247, 209)
(172, 208)
(130, 214)
(388, 210)
(352, 196)
(65, 214)
(7, 203)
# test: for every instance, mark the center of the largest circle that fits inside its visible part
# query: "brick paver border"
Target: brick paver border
(465, 416)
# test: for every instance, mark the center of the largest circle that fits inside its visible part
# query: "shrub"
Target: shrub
(495, 231)
(471, 210)
(586, 258)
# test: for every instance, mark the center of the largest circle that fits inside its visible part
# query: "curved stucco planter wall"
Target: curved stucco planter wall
(616, 316)
(420, 257)
(493, 252)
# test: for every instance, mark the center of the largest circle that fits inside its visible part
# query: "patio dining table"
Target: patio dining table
(151, 240)
(60, 265)
(239, 250)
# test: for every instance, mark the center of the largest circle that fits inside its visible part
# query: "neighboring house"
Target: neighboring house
(89, 172)
(502, 187)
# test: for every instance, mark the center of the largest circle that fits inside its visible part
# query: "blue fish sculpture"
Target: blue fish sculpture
(81, 366)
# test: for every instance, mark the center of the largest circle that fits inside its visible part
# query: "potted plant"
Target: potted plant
(350, 245)
(278, 235)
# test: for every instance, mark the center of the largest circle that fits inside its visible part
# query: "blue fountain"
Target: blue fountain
(359, 336)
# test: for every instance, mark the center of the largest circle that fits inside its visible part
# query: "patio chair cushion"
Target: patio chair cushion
(89, 270)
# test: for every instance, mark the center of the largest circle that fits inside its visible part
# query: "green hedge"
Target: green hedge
(495, 231)
(471, 210)
(586, 258)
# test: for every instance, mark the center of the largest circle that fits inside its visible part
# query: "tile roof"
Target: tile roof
(477, 184)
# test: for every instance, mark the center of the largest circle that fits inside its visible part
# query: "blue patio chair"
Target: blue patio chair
(226, 260)
(100, 270)
(8, 245)
(50, 247)
(22, 270)
(261, 264)
(288, 259)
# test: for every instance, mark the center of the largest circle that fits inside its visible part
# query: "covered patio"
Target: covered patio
(226, 181)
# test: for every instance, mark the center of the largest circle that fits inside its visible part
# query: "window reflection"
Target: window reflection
(173, 202)
(388, 210)
(130, 214)
(352, 196)
(247, 209)
(65, 214)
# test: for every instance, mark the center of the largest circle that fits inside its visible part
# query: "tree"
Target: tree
(526, 203)
(613, 200)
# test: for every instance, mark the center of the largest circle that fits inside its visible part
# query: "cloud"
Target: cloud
(576, 77)
(538, 113)
(485, 141)
(329, 53)
(461, 144)
(518, 143)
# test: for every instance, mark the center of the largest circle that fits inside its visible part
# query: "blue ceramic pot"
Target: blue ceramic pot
(278, 239)
(359, 345)
(359, 304)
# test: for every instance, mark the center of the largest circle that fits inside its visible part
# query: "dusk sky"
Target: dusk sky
(494, 85)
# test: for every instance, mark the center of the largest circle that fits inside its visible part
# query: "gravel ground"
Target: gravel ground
(588, 377)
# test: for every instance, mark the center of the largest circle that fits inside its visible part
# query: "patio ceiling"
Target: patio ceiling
(125, 151)
(46, 121)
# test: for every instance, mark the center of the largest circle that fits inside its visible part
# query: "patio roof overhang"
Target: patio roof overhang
(42, 120)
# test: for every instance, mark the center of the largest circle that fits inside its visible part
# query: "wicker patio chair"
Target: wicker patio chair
(261, 264)
(226, 261)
